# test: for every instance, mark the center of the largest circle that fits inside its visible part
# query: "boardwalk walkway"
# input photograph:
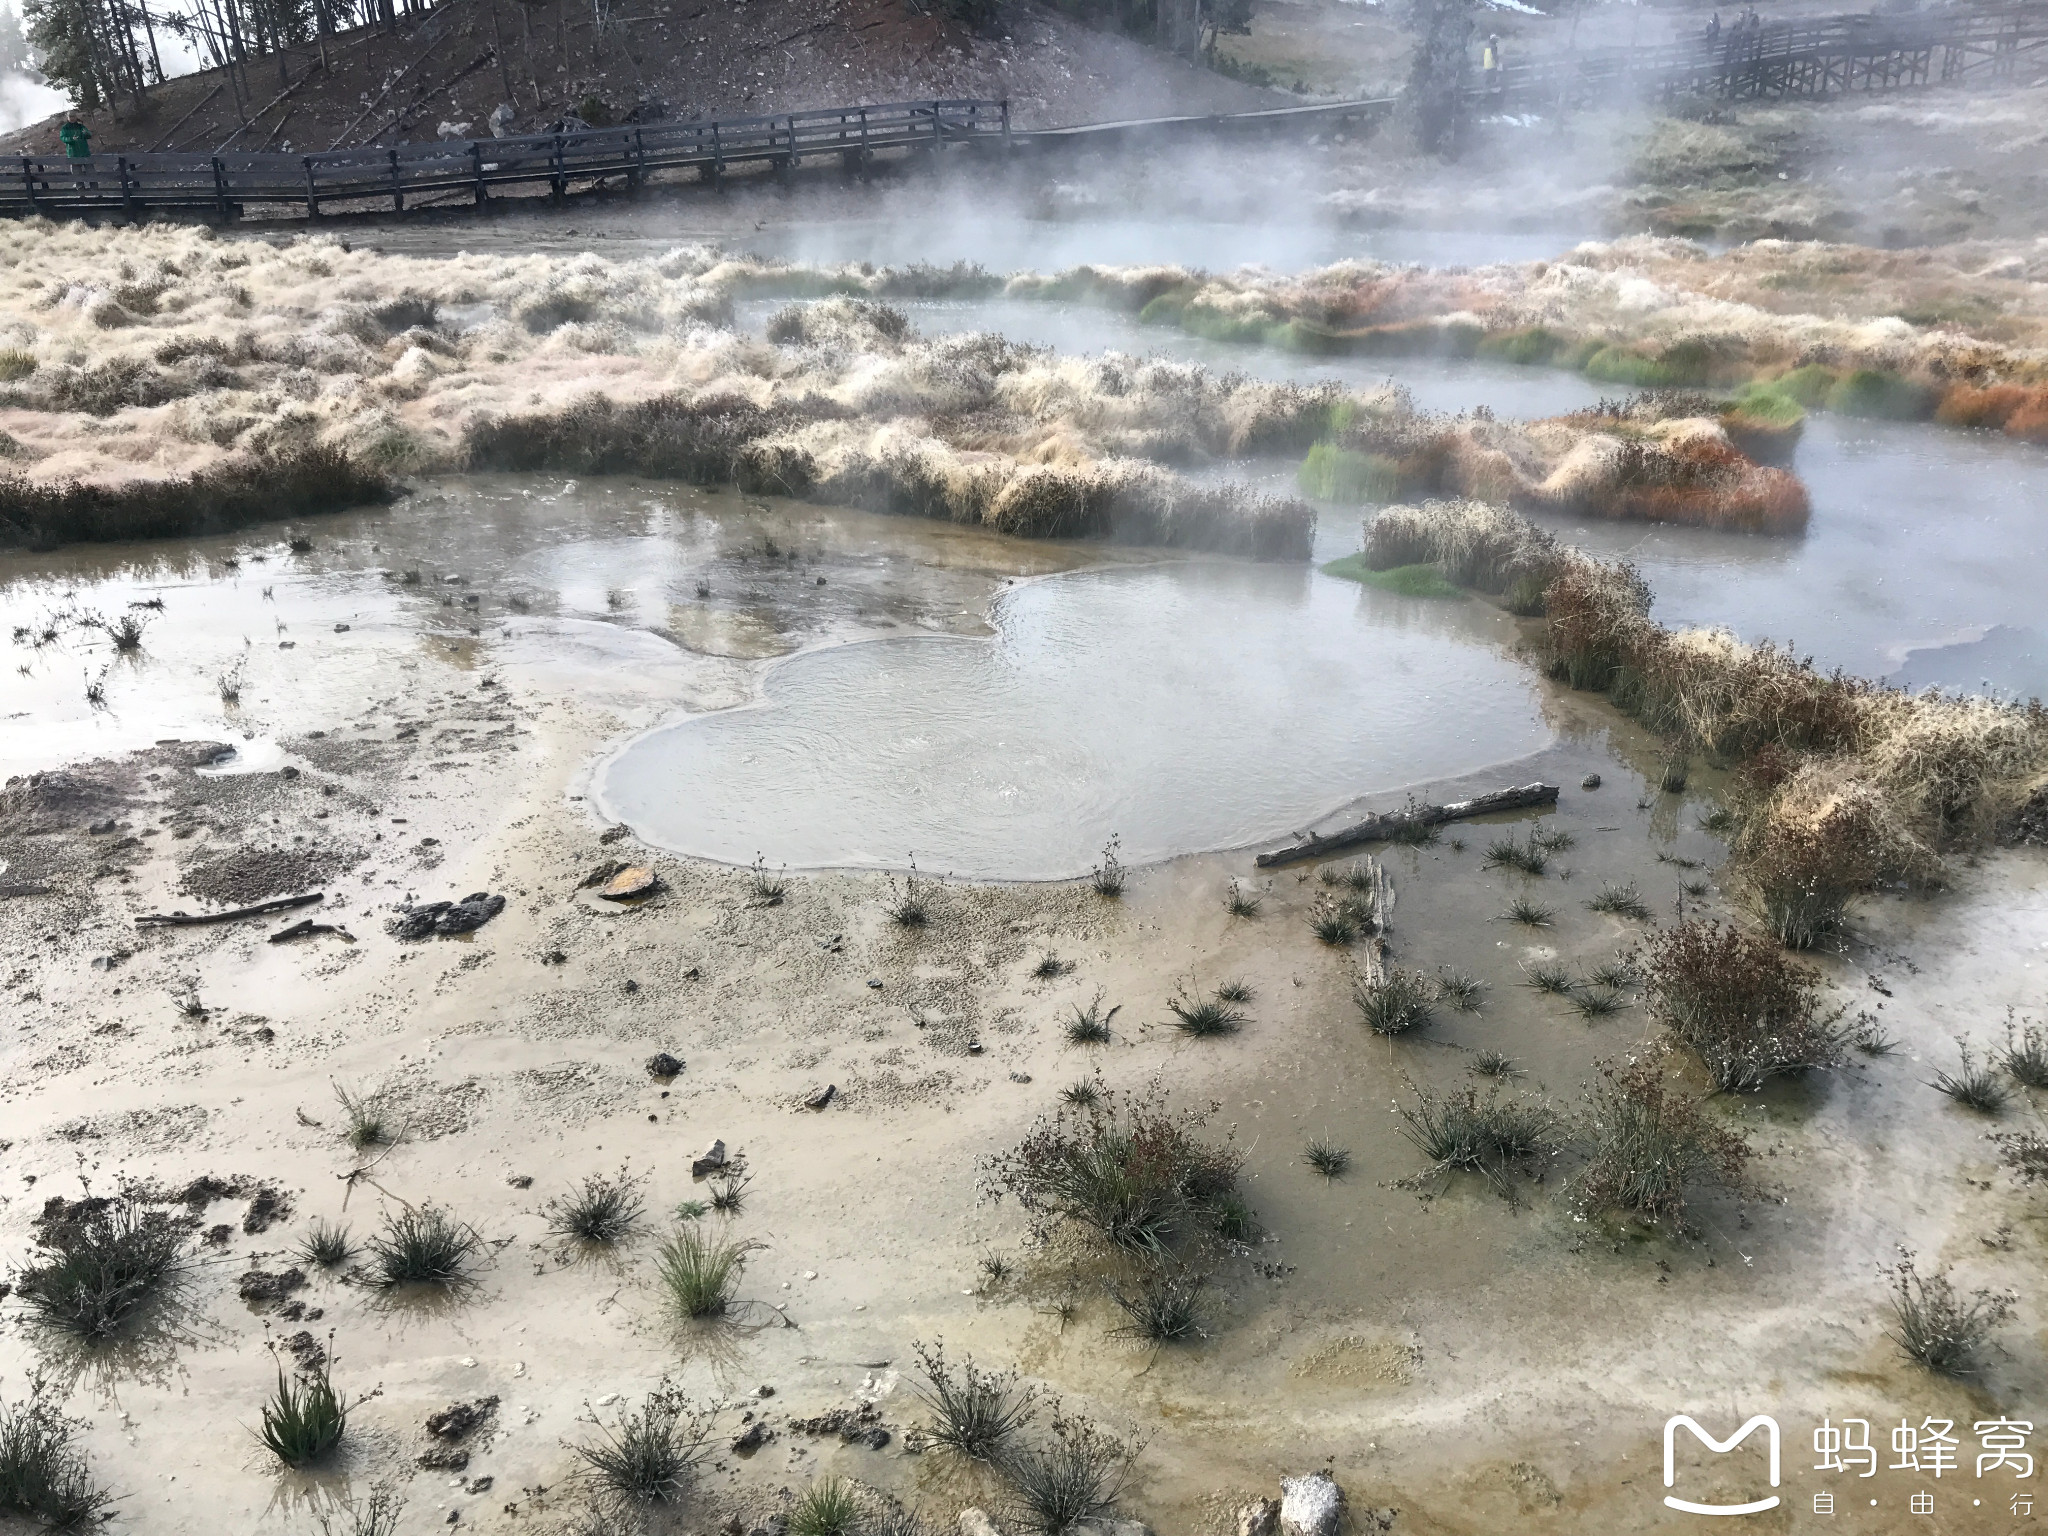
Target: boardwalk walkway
(1833, 56)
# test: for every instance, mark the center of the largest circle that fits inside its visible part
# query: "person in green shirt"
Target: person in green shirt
(76, 138)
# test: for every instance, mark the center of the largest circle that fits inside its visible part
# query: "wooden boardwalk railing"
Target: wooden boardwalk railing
(477, 170)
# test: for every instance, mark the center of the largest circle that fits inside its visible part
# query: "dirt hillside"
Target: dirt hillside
(674, 58)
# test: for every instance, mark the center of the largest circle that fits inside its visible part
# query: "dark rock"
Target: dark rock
(306, 1350)
(458, 1420)
(612, 835)
(521, 1181)
(712, 1161)
(751, 1439)
(444, 1458)
(101, 828)
(268, 1206)
(479, 1484)
(219, 1237)
(821, 1098)
(600, 874)
(664, 1066)
(446, 917)
(1590, 781)
(1259, 1519)
(261, 1289)
(1020, 1077)
(853, 1426)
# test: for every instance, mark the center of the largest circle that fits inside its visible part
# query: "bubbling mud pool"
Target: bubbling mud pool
(1182, 707)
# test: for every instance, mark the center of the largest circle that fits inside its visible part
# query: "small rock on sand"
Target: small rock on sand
(1590, 781)
(821, 1097)
(664, 1066)
(446, 917)
(1260, 1519)
(1311, 1505)
(632, 881)
(713, 1159)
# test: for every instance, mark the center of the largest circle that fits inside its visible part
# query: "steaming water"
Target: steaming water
(1923, 561)
(1183, 706)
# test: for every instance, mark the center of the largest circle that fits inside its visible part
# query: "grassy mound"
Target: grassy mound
(1331, 473)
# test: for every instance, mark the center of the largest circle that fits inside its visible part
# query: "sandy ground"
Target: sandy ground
(1461, 1363)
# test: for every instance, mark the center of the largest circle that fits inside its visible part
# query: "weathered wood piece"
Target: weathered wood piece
(1387, 825)
(261, 909)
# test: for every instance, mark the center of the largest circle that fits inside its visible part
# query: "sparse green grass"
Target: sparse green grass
(1205, 1017)
(366, 1117)
(326, 1244)
(1507, 853)
(975, 1414)
(1463, 1131)
(1673, 773)
(764, 889)
(1549, 976)
(1552, 839)
(1164, 1307)
(729, 1190)
(91, 1271)
(376, 1515)
(649, 1455)
(1462, 990)
(996, 1271)
(1241, 902)
(1620, 901)
(1089, 1025)
(1235, 1222)
(1050, 966)
(2025, 1055)
(1651, 1145)
(1084, 1093)
(700, 1270)
(1396, 1002)
(422, 1245)
(1331, 473)
(601, 1211)
(829, 1507)
(1529, 912)
(909, 904)
(1735, 998)
(1406, 580)
(1067, 1484)
(1109, 877)
(693, 1210)
(304, 1419)
(44, 1475)
(1355, 876)
(1327, 1158)
(1334, 922)
(1936, 1326)
(1974, 1085)
(1238, 991)
(1616, 975)
(1598, 1003)
(1495, 1064)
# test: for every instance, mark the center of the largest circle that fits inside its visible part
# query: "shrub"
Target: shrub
(1460, 989)
(16, 364)
(1109, 877)
(2025, 1055)
(1488, 1135)
(603, 1210)
(1207, 1016)
(1506, 853)
(1802, 868)
(1164, 1307)
(1332, 922)
(422, 1245)
(829, 1507)
(1395, 1001)
(1331, 473)
(1549, 976)
(975, 1414)
(1736, 1000)
(1126, 1171)
(1809, 386)
(97, 1261)
(376, 1515)
(1652, 1146)
(1070, 1480)
(1529, 912)
(1937, 1327)
(1326, 1158)
(1494, 1064)
(1974, 1085)
(304, 1419)
(1090, 1025)
(44, 1475)
(326, 1244)
(700, 1271)
(648, 1456)
(1241, 902)
(1598, 1003)
(366, 1119)
(2026, 1154)
(764, 889)
(910, 904)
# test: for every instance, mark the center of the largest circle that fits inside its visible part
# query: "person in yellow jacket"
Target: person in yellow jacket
(1489, 62)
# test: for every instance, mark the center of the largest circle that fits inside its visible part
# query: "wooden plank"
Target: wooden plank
(261, 909)
(1384, 826)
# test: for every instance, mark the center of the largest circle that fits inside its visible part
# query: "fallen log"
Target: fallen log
(261, 909)
(1390, 824)
(306, 928)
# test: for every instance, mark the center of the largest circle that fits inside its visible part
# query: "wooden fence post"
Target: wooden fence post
(127, 193)
(312, 197)
(220, 188)
(639, 181)
(28, 178)
(717, 156)
(558, 175)
(397, 186)
(476, 163)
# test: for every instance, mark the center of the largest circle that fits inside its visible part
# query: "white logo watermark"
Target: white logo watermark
(1755, 1506)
